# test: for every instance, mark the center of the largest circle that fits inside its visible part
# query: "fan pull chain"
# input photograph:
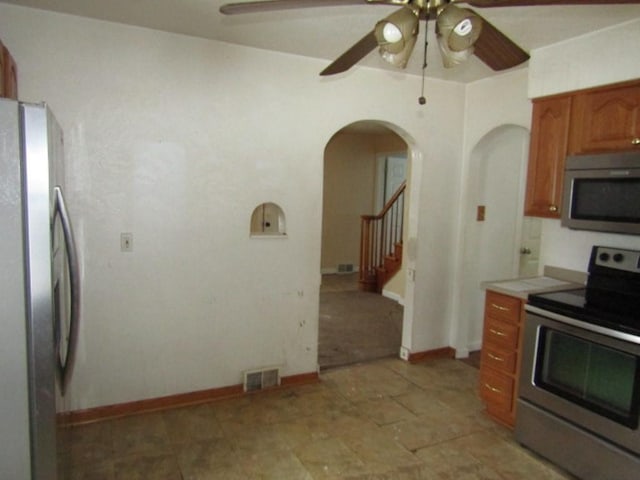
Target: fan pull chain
(422, 100)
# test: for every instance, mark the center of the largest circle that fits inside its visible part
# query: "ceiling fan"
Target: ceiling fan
(460, 31)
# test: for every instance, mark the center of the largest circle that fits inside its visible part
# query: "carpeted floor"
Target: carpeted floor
(356, 326)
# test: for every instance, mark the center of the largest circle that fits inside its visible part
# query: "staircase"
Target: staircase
(381, 243)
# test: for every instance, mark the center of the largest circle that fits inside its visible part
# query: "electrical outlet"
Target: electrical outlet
(404, 353)
(126, 242)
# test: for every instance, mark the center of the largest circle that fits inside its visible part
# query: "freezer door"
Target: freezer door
(14, 389)
(37, 211)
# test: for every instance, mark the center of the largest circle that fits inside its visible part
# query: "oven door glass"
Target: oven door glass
(596, 377)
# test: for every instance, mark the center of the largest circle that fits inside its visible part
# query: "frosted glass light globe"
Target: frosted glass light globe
(391, 33)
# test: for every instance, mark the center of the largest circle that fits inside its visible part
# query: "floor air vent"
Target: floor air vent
(345, 267)
(255, 380)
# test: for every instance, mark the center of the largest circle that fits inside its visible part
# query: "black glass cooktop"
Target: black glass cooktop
(574, 303)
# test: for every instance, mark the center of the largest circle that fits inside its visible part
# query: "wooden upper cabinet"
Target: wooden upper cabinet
(2, 74)
(606, 120)
(547, 153)
(8, 74)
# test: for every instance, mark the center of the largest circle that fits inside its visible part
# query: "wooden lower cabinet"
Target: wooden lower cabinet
(500, 357)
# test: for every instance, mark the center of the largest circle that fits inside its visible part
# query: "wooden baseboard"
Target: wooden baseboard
(107, 412)
(300, 379)
(445, 352)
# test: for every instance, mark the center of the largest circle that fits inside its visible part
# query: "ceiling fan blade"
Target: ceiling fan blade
(352, 56)
(496, 50)
(273, 5)
(523, 3)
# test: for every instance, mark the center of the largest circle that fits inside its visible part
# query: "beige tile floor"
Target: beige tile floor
(381, 420)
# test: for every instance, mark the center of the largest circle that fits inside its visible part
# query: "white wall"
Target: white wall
(600, 58)
(434, 192)
(177, 139)
(494, 106)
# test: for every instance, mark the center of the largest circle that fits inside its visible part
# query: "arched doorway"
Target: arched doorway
(356, 326)
(494, 220)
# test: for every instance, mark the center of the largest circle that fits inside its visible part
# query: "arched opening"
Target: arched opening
(363, 163)
(494, 221)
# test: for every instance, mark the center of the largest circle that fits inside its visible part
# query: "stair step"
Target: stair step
(391, 263)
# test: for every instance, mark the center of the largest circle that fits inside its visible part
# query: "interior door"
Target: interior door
(391, 172)
(530, 247)
(395, 174)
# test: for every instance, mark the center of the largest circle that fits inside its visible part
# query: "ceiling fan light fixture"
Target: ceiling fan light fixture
(395, 32)
(460, 27)
(451, 58)
(401, 58)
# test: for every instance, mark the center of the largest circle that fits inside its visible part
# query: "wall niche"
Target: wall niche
(267, 220)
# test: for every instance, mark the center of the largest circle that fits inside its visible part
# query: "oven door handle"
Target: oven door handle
(628, 337)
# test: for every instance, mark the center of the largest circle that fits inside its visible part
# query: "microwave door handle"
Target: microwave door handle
(74, 286)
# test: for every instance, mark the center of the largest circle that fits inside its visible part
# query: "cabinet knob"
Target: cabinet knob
(635, 141)
(553, 208)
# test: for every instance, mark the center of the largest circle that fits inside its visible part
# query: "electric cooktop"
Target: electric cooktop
(573, 303)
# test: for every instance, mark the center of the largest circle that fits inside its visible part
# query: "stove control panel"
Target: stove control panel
(616, 258)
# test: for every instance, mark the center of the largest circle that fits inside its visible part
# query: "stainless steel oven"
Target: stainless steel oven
(579, 396)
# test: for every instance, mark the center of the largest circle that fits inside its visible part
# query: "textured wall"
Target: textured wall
(176, 140)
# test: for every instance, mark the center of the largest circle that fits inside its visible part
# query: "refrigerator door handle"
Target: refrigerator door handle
(65, 367)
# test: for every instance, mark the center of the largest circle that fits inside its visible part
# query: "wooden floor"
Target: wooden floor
(473, 359)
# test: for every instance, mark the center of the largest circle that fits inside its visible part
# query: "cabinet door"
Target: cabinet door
(2, 79)
(547, 152)
(500, 334)
(9, 75)
(606, 120)
(502, 307)
(498, 392)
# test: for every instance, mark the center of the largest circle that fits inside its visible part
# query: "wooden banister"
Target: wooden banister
(379, 237)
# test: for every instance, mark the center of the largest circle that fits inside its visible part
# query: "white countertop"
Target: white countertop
(554, 279)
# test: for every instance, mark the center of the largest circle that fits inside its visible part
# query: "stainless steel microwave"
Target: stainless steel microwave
(602, 192)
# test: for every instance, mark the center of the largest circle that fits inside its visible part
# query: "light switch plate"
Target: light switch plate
(480, 213)
(126, 242)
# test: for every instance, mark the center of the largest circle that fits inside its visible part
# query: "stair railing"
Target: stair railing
(379, 234)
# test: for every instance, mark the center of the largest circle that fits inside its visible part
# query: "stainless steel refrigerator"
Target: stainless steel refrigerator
(39, 290)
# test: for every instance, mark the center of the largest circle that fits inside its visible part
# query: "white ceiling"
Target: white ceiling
(327, 32)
